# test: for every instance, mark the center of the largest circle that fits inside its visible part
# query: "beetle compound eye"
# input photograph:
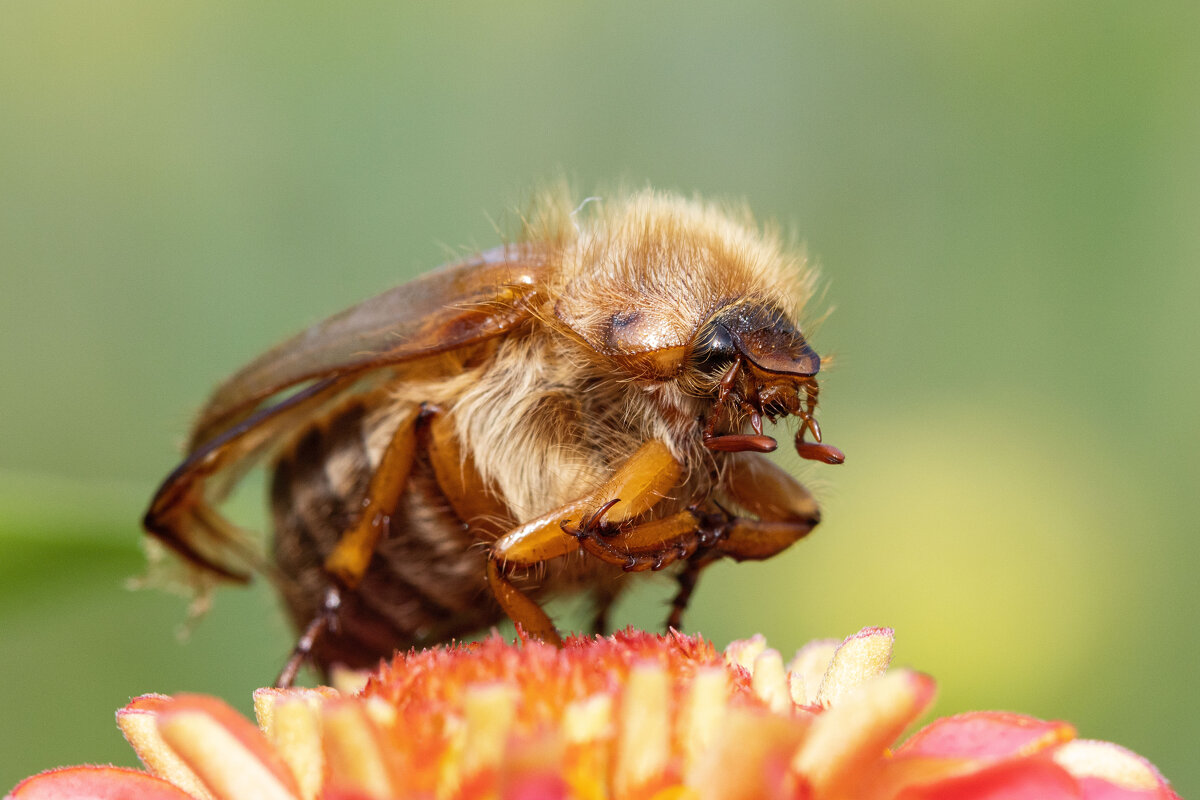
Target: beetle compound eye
(714, 350)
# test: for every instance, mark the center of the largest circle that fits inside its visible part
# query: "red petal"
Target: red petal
(985, 735)
(95, 783)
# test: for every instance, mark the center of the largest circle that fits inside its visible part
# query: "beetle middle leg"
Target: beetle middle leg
(691, 536)
(349, 559)
(657, 544)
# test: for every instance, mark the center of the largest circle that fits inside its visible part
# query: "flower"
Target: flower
(633, 715)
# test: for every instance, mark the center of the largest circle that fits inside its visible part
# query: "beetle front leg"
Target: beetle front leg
(757, 540)
(650, 545)
(786, 513)
(637, 486)
(518, 606)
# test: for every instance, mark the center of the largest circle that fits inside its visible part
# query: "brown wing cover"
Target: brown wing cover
(455, 306)
(443, 310)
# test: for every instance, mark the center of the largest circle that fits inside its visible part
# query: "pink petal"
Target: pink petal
(1023, 779)
(985, 735)
(95, 783)
(545, 786)
(981, 745)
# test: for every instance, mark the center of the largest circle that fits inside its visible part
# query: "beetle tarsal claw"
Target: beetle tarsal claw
(813, 426)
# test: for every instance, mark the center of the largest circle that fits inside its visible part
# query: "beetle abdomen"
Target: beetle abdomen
(426, 579)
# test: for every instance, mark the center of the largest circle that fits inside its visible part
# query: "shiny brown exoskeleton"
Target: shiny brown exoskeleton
(541, 418)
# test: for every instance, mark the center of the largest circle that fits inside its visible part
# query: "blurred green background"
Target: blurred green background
(1003, 198)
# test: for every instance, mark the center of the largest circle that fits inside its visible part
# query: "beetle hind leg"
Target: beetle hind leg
(325, 620)
(348, 558)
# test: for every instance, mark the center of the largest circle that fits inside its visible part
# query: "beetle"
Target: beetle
(543, 417)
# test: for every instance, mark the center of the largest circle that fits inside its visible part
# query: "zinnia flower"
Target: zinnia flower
(634, 715)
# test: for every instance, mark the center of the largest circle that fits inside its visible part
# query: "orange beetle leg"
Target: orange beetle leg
(786, 511)
(649, 545)
(474, 500)
(349, 559)
(520, 609)
(636, 487)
